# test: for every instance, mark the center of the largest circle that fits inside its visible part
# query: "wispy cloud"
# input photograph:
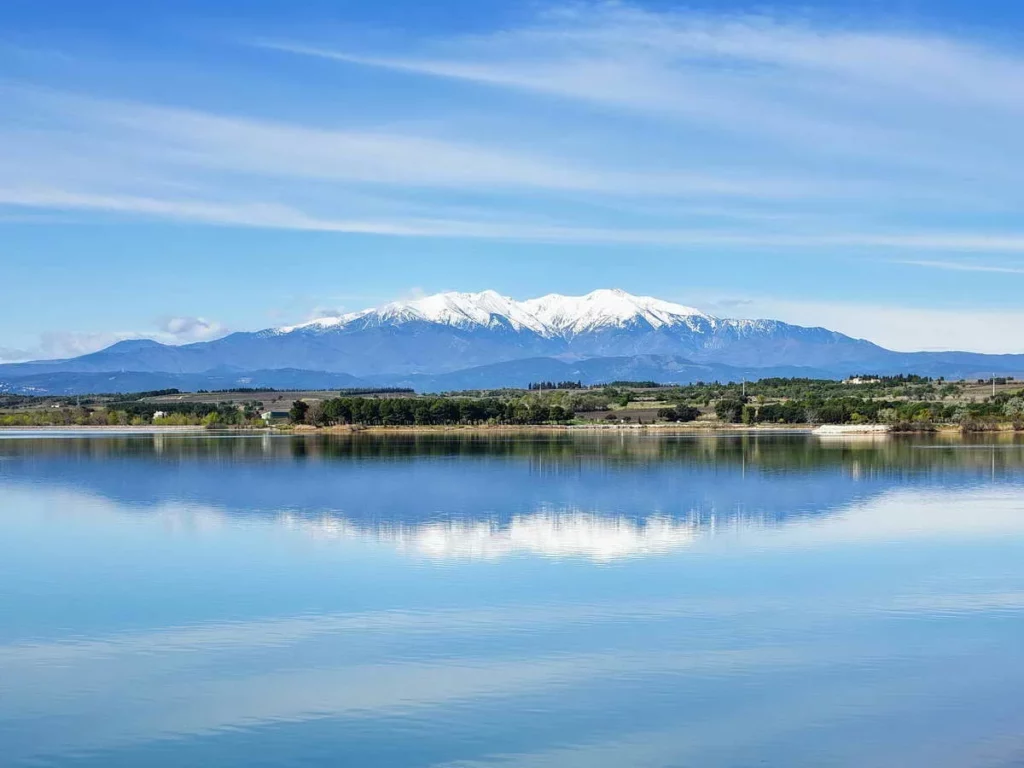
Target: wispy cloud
(826, 89)
(272, 216)
(243, 214)
(962, 266)
(146, 135)
(723, 131)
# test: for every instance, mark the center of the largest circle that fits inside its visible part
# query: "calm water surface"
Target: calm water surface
(555, 600)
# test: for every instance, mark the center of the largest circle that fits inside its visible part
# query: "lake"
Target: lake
(464, 600)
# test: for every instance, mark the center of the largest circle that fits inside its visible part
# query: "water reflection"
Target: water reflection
(531, 484)
(485, 601)
(562, 534)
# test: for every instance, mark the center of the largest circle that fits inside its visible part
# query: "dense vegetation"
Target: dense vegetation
(679, 413)
(425, 411)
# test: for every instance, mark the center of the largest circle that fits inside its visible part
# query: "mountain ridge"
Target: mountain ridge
(449, 337)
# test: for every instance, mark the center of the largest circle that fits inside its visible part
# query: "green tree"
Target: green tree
(679, 413)
(298, 412)
(730, 410)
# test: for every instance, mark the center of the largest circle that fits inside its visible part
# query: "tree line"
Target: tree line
(427, 411)
(555, 385)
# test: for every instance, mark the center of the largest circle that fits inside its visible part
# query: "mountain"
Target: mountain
(456, 340)
(451, 331)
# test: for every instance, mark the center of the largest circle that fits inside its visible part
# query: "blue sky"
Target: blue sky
(180, 169)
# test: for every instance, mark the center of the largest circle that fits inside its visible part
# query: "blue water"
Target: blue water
(548, 600)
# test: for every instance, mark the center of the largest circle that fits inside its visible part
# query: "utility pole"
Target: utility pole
(993, 385)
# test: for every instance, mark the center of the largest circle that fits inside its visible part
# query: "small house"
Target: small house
(269, 416)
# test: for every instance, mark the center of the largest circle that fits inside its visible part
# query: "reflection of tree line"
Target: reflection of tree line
(406, 480)
(554, 451)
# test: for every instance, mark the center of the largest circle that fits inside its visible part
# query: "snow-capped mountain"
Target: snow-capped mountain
(450, 340)
(450, 331)
(551, 316)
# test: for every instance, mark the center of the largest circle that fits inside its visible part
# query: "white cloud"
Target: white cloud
(188, 329)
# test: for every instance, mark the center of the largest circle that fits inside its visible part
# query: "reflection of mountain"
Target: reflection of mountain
(552, 534)
(634, 492)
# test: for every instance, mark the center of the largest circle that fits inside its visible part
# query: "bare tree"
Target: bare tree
(316, 415)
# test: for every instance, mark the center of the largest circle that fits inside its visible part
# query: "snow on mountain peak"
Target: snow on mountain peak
(462, 309)
(551, 315)
(605, 308)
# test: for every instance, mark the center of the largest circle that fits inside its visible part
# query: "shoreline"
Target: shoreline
(661, 428)
(869, 430)
(845, 430)
(344, 429)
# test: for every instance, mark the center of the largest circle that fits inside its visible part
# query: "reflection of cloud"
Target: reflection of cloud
(551, 534)
(208, 704)
(232, 638)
